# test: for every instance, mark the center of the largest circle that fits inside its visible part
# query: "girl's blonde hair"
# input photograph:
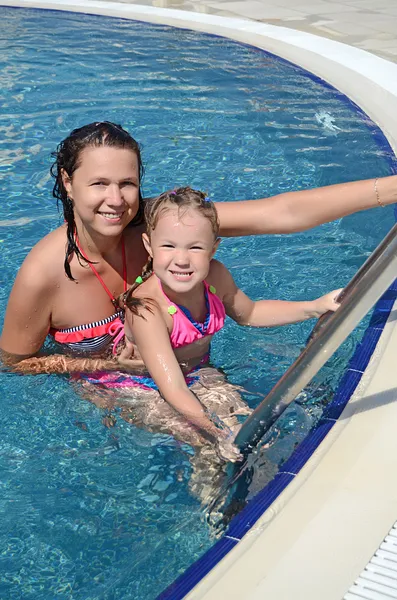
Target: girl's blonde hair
(183, 199)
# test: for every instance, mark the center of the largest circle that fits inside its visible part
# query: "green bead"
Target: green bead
(139, 279)
(212, 289)
(172, 310)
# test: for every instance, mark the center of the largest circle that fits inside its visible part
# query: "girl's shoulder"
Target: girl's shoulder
(220, 278)
(217, 271)
(148, 289)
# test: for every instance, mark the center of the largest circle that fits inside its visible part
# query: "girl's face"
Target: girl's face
(104, 189)
(182, 246)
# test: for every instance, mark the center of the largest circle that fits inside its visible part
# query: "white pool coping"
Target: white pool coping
(323, 529)
(320, 533)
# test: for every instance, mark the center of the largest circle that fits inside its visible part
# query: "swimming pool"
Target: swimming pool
(103, 513)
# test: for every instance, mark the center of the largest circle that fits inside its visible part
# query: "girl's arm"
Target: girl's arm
(296, 211)
(269, 313)
(151, 336)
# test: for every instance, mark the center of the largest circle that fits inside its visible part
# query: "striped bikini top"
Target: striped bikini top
(98, 336)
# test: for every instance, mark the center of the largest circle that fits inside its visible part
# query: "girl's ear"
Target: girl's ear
(67, 182)
(146, 243)
(216, 246)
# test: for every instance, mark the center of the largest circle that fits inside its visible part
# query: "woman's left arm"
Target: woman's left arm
(296, 211)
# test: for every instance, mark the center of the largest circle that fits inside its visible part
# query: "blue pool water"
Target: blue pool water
(95, 513)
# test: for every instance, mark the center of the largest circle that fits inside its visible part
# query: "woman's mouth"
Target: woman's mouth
(111, 216)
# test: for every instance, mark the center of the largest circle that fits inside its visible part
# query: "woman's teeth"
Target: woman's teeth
(111, 215)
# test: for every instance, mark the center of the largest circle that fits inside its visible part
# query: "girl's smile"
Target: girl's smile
(182, 246)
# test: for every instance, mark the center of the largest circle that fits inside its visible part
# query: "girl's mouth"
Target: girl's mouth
(182, 275)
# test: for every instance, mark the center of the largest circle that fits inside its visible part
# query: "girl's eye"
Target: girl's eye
(167, 246)
(197, 248)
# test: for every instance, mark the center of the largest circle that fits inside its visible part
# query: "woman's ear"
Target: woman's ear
(146, 243)
(67, 182)
(216, 246)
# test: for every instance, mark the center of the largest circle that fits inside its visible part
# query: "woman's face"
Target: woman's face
(104, 189)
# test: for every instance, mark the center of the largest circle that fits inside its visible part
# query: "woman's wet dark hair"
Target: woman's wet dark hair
(67, 158)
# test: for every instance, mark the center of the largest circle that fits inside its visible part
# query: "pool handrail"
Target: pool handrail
(358, 297)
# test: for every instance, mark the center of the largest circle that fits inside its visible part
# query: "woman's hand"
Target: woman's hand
(326, 303)
(128, 360)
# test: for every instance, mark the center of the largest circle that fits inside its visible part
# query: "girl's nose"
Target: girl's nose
(182, 258)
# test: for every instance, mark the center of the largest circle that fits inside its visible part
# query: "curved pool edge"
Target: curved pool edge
(320, 507)
(368, 80)
(321, 531)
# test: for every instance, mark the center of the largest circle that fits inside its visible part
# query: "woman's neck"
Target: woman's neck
(97, 245)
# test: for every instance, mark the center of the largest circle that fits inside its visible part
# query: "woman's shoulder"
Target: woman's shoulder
(45, 260)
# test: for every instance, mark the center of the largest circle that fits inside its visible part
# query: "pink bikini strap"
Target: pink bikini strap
(172, 304)
(93, 269)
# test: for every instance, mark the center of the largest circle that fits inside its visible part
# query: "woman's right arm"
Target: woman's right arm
(27, 323)
(296, 211)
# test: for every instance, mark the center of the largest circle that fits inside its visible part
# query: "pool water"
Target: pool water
(95, 513)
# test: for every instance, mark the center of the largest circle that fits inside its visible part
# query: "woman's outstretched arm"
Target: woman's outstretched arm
(297, 211)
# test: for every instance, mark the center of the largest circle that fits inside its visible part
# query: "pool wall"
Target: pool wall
(371, 83)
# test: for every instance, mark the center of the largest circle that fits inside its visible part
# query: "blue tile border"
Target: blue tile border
(255, 508)
(243, 522)
(306, 448)
(347, 385)
(198, 570)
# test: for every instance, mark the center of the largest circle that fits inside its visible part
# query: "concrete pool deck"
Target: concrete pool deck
(367, 24)
(318, 536)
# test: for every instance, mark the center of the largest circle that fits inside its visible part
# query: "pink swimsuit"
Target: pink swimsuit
(185, 329)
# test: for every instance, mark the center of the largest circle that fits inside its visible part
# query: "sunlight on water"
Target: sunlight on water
(93, 512)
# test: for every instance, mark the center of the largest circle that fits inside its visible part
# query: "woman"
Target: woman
(68, 283)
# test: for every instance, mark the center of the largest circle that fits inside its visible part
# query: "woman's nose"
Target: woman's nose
(114, 194)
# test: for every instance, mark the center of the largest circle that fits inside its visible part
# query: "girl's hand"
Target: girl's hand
(326, 303)
(227, 449)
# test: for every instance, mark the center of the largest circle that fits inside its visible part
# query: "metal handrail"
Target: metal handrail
(358, 297)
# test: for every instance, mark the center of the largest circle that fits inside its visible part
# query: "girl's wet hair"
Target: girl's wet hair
(68, 158)
(183, 199)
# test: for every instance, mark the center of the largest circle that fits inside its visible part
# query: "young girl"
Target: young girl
(180, 302)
